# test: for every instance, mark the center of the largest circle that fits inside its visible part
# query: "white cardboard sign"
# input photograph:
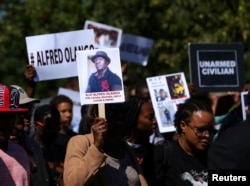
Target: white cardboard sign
(54, 55)
(166, 92)
(106, 36)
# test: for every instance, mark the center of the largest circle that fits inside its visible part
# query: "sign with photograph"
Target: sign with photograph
(166, 92)
(216, 67)
(100, 76)
(54, 55)
(135, 49)
(106, 36)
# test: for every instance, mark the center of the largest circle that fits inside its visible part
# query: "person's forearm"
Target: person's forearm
(81, 165)
(31, 88)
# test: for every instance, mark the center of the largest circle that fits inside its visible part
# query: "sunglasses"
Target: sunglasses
(203, 131)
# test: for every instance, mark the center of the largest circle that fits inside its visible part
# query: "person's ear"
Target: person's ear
(183, 126)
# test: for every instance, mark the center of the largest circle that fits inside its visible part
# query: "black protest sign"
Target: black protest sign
(217, 67)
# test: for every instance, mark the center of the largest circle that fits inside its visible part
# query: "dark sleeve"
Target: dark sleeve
(160, 164)
(220, 156)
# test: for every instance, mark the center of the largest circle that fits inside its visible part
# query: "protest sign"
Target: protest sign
(166, 92)
(75, 97)
(135, 49)
(54, 55)
(244, 105)
(216, 67)
(99, 84)
(106, 36)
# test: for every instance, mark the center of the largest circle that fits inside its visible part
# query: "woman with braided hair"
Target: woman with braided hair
(183, 162)
(103, 158)
(141, 124)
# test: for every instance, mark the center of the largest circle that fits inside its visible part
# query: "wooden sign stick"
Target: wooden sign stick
(101, 110)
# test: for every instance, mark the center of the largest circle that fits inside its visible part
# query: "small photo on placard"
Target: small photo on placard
(166, 92)
(106, 36)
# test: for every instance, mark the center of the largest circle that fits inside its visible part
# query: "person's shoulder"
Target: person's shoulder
(92, 75)
(109, 72)
(32, 144)
(237, 134)
(238, 129)
(12, 145)
(82, 138)
(72, 133)
(16, 151)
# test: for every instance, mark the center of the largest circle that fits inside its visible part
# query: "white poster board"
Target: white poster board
(87, 69)
(54, 55)
(135, 49)
(166, 92)
(244, 105)
(106, 36)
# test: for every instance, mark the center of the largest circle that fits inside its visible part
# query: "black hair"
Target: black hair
(225, 103)
(88, 113)
(186, 110)
(139, 87)
(135, 104)
(203, 96)
(60, 99)
(52, 123)
(44, 110)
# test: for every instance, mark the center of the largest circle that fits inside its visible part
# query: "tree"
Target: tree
(172, 25)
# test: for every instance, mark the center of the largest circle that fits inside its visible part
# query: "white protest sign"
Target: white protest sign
(244, 105)
(135, 49)
(106, 36)
(97, 83)
(75, 97)
(54, 55)
(166, 91)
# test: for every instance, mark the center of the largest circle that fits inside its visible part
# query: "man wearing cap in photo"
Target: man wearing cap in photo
(103, 79)
(14, 164)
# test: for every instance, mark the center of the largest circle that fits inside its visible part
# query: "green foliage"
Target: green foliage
(171, 24)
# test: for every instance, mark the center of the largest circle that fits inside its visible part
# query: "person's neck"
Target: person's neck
(64, 129)
(114, 148)
(100, 73)
(138, 139)
(183, 144)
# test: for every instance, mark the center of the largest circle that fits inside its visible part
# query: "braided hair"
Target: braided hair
(135, 105)
(186, 110)
(58, 99)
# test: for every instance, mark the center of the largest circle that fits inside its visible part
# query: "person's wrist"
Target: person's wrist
(99, 147)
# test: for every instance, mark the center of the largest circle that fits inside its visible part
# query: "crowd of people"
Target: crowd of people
(123, 148)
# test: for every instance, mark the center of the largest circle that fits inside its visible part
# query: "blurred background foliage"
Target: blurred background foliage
(171, 24)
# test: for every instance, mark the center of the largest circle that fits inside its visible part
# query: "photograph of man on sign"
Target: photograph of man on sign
(103, 79)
